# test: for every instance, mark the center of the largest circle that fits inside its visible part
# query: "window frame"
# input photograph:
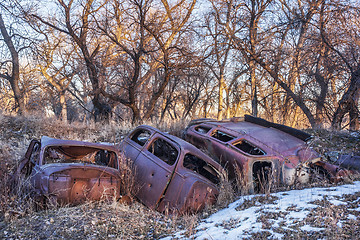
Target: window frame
(140, 131)
(178, 151)
(223, 133)
(233, 144)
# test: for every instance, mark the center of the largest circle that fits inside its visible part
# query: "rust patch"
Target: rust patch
(259, 152)
(172, 175)
(66, 171)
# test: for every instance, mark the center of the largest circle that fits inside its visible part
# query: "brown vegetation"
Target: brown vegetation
(290, 62)
(20, 219)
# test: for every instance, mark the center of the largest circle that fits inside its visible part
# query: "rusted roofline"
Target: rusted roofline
(289, 130)
(48, 141)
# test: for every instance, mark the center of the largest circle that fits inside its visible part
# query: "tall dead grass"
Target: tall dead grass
(17, 207)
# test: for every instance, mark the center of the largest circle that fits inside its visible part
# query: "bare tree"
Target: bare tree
(219, 52)
(339, 26)
(152, 47)
(12, 74)
(274, 51)
(79, 28)
(54, 64)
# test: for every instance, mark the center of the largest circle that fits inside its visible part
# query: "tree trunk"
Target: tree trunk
(254, 101)
(102, 110)
(348, 104)
(221, 97)
(63, 105)
(14, 78)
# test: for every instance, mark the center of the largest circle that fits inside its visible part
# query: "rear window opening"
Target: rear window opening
(201, 167)
(163, 150)
(141, 136)
(249, 148)
(80, 154)
(202, 129)
(224, 137)
(262, 176)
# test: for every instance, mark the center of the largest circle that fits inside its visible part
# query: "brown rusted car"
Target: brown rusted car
(258, 151)
(171, 174)
(66, 171)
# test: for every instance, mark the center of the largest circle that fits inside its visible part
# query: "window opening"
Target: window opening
(202, 129)
(262, 171)
(163, 150)
(249, 148)
(201, 167)
(224, 137)
(34, 158)
(141, 136)
(78, 154)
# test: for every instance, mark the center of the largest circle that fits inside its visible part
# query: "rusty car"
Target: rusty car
(257, 151)
(70, 172)
(348, 161)
(172, 175)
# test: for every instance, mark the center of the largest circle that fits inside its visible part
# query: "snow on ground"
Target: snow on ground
(280, 213)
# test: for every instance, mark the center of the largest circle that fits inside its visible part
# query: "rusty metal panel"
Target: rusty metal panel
(66, 171)
(152, 176)
(349, 161)
(243, 146)
(165, 184)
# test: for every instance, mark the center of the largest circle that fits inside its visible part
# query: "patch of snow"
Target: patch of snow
(337, 202)
(309, 228)
(351, 216)
(339, 224)
(294, 206)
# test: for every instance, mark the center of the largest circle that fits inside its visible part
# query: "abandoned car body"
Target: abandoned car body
(257, 149)
(172, 175)
(66, 171)
(348, 161)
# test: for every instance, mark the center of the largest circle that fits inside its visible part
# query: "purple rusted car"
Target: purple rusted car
(258, 151)
(171, 174)
(66, 171)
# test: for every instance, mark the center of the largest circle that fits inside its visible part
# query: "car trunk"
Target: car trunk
(76, 185)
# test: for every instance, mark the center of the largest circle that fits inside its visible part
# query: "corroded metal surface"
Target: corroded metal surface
(172, 175)
(66, 171)
(349, 161)
(258, 151)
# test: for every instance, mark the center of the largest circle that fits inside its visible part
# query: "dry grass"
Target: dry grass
(340, 141)
(104, 220)
(98, 220)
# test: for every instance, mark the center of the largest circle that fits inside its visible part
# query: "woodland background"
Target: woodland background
(294, 62)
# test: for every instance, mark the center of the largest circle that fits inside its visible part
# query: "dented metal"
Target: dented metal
(172, 175)
(258, 151)
(348, 161)
(66, 171)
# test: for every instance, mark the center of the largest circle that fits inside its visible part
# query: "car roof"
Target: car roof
(271, 137)
(182, 144)
(48, 141)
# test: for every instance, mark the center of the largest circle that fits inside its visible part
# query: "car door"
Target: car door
(154, 169)
(133, 145)
(217, 144)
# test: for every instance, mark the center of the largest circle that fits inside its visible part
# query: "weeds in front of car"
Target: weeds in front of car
(101, 219)
(128, 187)
(19, 217)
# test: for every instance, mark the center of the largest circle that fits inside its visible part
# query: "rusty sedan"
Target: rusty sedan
(66, 171)
(259, 152)
(171, 174)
